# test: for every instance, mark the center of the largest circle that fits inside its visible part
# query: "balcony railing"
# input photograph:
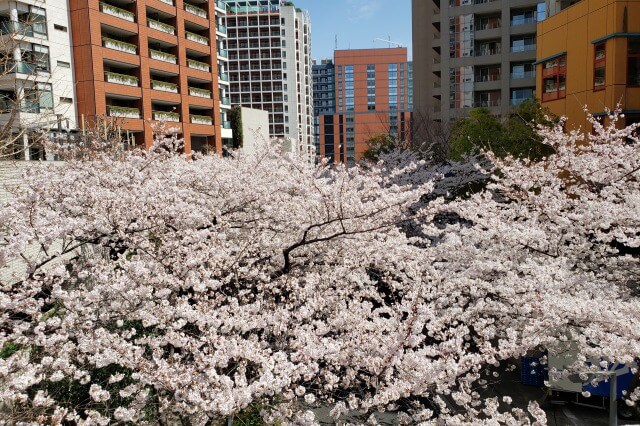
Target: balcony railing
(123, 112)
(196, 37)
(117, 12)
(525, 48)
(200, 93)
(225, 124)
(221, 5)
(164, 86)
(195, 10)
(127, 80)
(223, 76)
(221, 28)
(225, 101)
(197, 65)
(522, 21)
(488, 52)
(223, 53)
(524, 74)
(201, 119)
(122, 46)
(12, 27)
(490, 77)
(518, 101)
(18, 67)
(173, 117)
(162, 56)
(161, 26)
(487, 103)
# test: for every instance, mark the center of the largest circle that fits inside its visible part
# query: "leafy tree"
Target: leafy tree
(515, 135)
(381, 143)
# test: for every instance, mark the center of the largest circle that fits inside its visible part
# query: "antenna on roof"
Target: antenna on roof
(389, 42)
(336, 42)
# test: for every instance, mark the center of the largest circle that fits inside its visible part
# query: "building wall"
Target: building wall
(473, 46)
(423, 13)
(150, 58)
(353, 124)
(62, 112)
(574, 31)
(270, 64)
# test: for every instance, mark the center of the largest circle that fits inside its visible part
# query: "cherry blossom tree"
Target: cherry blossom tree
(167, 289)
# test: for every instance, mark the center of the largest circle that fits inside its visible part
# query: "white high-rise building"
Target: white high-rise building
(37, 90)
(269, 45)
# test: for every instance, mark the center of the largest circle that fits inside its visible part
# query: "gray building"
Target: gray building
(324, 96)
(269, 45)
(473, 53)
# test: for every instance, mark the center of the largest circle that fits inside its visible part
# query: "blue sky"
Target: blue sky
(357, 23)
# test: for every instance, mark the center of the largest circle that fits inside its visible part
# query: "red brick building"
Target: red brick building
(153, 60)
(372, 97)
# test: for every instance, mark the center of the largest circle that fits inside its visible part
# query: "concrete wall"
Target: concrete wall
(255, 128)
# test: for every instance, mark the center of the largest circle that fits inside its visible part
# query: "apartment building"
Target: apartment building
(36, 80)
(146, 62)
(589, 55)
(270, 65)
(473, 53)
(372, 97)
(323, 75)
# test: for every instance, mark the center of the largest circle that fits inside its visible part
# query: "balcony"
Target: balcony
(161, 26)
(122, 46)
(122, 112)
(221, 5)
(108, 9)
(164, 86)
(225, 124)
(163, 56)
(201, 119)
(225, 101)
(200, 93)
(195, 10)
(223, 77)
(197, 65)
(124, 79)
(223, 53)
(221, 28)
(167, 116)
(197, 38)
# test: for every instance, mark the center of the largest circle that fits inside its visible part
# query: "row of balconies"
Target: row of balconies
(160, 85)
(130, 15)
(234, 56)
(122, 46)
(167, 116)
(235, 21)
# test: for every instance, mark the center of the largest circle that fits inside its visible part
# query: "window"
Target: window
(60, 27)
(599, 65)
(63, 64)
(38, 57)
(633, 62)
(554, 75)
(38, 20)
(66, 100)
(39, 98)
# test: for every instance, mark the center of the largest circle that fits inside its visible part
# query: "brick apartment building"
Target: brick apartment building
(153, 60)
(372, 97)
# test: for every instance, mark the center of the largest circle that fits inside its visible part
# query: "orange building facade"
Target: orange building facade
(147, 61)
(372, 96)
(589, 56)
